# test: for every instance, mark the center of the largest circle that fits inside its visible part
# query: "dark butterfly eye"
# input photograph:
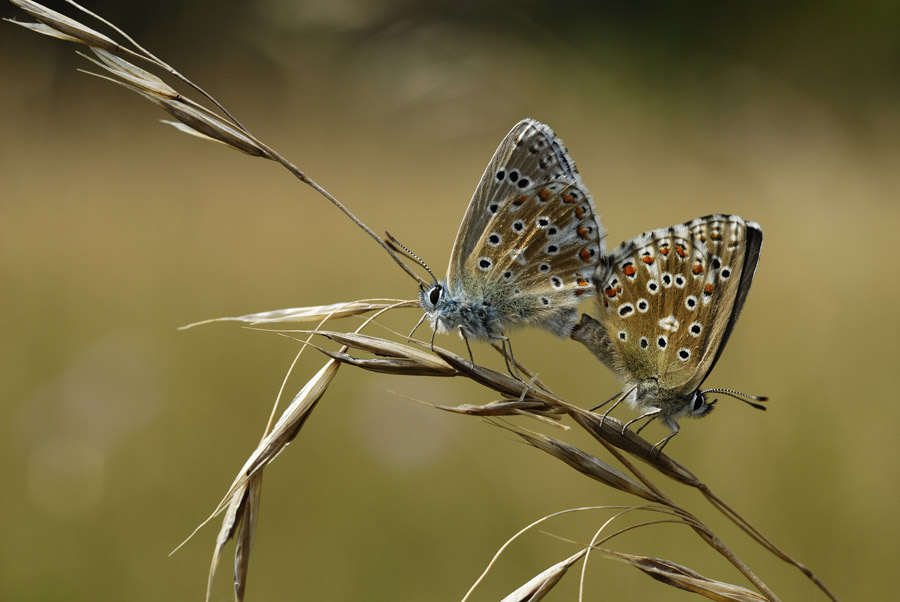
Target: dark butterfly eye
(434, 295)
(698, 403)
(699, 406)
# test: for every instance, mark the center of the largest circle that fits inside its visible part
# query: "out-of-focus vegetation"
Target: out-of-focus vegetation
(120, 433)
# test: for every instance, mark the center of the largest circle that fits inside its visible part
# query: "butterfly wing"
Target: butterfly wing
(671, 298)
(530, 240)
(736, 242)
(529, 155)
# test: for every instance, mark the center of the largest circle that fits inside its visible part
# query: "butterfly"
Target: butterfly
(527, 248)
(669, 300)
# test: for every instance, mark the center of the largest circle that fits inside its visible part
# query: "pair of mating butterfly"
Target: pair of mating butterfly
(531, 247)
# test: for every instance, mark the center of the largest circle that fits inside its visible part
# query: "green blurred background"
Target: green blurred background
(120, 433)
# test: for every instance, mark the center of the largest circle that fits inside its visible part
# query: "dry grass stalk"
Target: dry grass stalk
(316, 313)
(585, 463)
(192, 116)
(540, 585)
(241, 503)
(684, 578)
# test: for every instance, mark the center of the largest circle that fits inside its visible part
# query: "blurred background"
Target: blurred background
(120, 434)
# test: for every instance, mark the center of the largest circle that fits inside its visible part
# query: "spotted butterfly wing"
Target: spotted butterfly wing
(669, 301)
(527, 247)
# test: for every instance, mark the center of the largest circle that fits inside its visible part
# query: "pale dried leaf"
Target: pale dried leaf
(503, 383)
(233, 516)
(540, 585)
(72, 29)
(241, 502)
(294, 416)
(211, 126)
(45, 30)
(192, 132)
(378, 345)
(584, 463)
(287, 427)
(246, 535)
(131, 73)
(407, 367)
(681, 577)
(314, 313)
(611, 430)
(506, 407)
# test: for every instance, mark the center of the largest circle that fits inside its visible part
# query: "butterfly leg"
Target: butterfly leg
(509, 358)
(621, 397)
(419, 323)
(659, 446)
(595, 408)
(462, 334)
(651, 415)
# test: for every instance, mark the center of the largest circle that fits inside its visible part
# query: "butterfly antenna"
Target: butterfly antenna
(397, 245)
(745, 397)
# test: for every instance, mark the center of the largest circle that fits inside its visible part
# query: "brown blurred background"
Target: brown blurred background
(120, 433)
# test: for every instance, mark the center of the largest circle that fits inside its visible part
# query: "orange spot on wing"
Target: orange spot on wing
(664, 250)
(567, 198)
(680, 251)
(715, 235)
(585, 255)
(648, 260)
(581, 281)
(610, 292)
(629, 270)
(697, 269)
(583, 232)
(544, 194)
(520, 199)
(708, 289)
(579, 212)
(579, 292)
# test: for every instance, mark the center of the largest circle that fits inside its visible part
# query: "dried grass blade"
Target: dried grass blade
(295, 415)
(540, 585)
(681, 577)
(234, 514)
(211, 126)
(506, 407)
(610, 430)
(497, 381)
(70, 29)
(246, 535)
(45, 30)
(241, 503)
(403, 366)
(584, 463)
(131, 73)
(287, 427)
(377, 345)
(312, 313)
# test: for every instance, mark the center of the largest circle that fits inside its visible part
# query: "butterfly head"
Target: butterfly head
(432, 298)
(698, 405)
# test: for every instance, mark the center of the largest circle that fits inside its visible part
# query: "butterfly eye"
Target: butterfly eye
(698, 402)
(435, 294)
(699, 406)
